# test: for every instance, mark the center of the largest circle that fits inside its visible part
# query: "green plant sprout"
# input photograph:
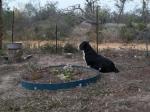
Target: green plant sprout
(66, 73)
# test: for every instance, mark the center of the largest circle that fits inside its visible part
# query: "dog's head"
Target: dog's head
(84, 45)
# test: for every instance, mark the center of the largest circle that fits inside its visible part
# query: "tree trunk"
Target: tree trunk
(121, 10)
(1, 25)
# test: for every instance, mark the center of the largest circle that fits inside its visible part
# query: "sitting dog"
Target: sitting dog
(96, 61)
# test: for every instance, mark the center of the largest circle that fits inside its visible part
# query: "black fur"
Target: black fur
(96, 61)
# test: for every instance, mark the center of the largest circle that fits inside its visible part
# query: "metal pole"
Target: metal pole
(147, 50)
(13, 26)
(97, 26)
(56, 39)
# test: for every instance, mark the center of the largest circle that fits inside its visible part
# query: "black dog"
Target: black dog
(96, 61)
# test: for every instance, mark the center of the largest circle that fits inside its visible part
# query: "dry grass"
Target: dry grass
(127, 91)
(117, 46)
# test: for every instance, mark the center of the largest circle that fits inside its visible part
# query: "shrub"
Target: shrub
(141, 26)
(127, 34)
(69, 48)
(51, 49)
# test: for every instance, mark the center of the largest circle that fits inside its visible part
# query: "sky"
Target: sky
(66, 3)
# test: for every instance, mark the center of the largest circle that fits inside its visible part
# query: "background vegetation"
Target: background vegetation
(39, 23)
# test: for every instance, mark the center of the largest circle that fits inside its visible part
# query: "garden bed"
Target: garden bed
(59, 77)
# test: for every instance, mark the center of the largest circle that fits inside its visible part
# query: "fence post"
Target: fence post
(147, 50)
(13, 18)
(56, 38)
(97, 26)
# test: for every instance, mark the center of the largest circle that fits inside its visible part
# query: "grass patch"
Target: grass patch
(51, 49)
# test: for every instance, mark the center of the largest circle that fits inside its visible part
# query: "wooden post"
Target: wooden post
(56, 39)
(13, 18)
(97, 26)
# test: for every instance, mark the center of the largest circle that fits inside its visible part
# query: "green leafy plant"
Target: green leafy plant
(66, 73)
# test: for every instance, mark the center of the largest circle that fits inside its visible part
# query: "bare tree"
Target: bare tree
(91, 5)
(144, 17)
(120, 4)
(1, 25)
(145, 10)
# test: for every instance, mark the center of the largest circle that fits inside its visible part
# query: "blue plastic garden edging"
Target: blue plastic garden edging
(56, 86)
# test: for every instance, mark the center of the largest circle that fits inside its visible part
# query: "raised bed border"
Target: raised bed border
(60, 86)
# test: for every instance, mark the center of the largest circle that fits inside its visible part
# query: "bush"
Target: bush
(127, 34)
(68, 48)
(51, 49)
(141, 26)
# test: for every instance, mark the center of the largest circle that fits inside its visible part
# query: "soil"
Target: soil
(58, 74)
(127, 91)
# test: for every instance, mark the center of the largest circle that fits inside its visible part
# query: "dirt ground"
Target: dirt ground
(127, 91)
